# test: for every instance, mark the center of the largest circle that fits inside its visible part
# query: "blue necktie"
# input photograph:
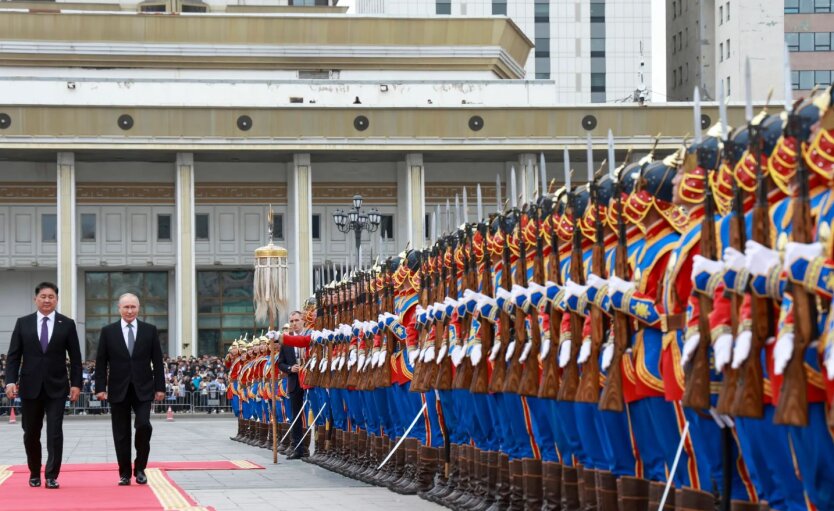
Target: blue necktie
(44, 334)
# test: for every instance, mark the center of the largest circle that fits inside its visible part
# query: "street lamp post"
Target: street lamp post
(357, 220)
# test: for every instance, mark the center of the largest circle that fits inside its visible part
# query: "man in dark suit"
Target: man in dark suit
(37, 369)
(131, 350)
(289, 362)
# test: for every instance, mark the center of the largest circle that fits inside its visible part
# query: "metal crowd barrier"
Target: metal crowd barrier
(191, 402)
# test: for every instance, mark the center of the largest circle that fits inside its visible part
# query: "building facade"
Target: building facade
(140, 152)
(595, 51)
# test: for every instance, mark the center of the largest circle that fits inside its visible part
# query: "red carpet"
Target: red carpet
(93, 487)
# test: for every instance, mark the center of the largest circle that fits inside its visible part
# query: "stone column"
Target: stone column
(67, 270)
(186, 274)
(411, 201)
(300, 233)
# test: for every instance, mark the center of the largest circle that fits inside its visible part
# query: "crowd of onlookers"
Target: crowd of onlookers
(189, 382)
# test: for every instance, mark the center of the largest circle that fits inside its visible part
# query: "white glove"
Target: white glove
(510, 350)
(741, 350)
(361, 362)
(342, 360)
(783, 352)
(375, 359)
(441, 353)
(545, 348)
(617, 284)
(758, 259)
(429, 355)
(352, 359)
(457, 354)
(323, 365)
(584, 351)
(368, 362)
(723, 351)
(413, 355)
(733, 259)
(333, 364)
(476, 354)
(607, 355)
(689, 347)
(595, 281)
(796, 251)
(493, 353)
(382, 356)
(701, 264)
(574, 289)
(564, 353)
(525, 352)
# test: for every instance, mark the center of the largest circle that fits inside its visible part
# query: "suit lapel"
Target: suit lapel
(120, 338)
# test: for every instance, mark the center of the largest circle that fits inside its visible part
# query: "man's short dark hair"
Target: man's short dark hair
(45, 285)
(293, 313)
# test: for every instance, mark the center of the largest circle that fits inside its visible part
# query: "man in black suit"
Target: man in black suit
(136, 378)
(289, 362)
(37, 368)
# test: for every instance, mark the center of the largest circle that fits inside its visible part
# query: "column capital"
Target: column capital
(185, 159)
(301, 159)
(66, 158)
(414, 159)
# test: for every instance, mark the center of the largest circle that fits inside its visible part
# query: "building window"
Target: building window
(808, 6)
(822, 41)
(315, 227)
(822, 78)
(541, 13)
(443, 7)
(674, 78)
(721, 52)
(224, 311)
(597, 12)
(795, 80)
(201, 227)
(686, 72)
(728, 48)
(806, 41)
(680, 75)
(597, 47)
(680, 41)
(542, 76)
(102, 291)
(729, 89)
(821, 6)
(542, 47)
(792, 40)
(88, 226)
(49, 228)
(728, 11)
(674, 9)
(277, 227)
(674, 43)
(386, 227)
(499, 7)
(163, 227)
(721, 15)
(686, 37)
(597, 82)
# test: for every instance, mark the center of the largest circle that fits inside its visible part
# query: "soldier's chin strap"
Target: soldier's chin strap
(674, 465)
(294, 421)
(402, 439)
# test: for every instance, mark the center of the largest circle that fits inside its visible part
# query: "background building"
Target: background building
(595, 51)
(708, 40)
(139, 152)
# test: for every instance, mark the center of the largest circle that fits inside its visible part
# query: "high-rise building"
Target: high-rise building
(708, 42)
(595, 51)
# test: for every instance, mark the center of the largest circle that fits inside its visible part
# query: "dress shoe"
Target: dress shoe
(140, 477)
(34, 482)
(52, 484)
(124, 481)
(297, 455)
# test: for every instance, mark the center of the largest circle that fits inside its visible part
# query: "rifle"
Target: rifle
(514, 371)
(499, 368)
(480, 374)
(697, 391)
(444, 370)
(422, 330)
(531, 374)
(792, 408)
(463, 373)
(384, 372)
(612, 398)
(588, 391)
(549, 384)
(570, 373)
(437, 252)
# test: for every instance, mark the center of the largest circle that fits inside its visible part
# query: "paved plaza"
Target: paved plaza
(290, 485)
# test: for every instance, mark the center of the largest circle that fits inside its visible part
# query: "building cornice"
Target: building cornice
(228, 41)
